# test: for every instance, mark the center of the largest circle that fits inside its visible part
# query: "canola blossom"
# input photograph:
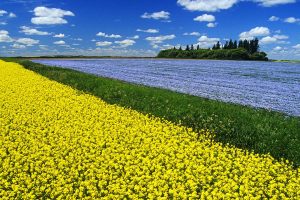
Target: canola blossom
(59, 143)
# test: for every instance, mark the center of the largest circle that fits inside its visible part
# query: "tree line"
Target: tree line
(231, 50)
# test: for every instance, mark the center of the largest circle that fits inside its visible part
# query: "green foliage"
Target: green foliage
(232, 50)
(255, 129)
(221, 54)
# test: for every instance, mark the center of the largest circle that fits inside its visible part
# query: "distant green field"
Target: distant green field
(259, 130)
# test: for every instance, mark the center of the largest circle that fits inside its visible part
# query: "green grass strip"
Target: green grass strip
(259, 130)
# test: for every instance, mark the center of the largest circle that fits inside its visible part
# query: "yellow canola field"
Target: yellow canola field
(59, 143)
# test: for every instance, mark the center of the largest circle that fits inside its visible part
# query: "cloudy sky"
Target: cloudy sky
(143, 27)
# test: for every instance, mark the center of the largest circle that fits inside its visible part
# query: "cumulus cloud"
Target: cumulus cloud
(101, 34)
(61, 35)
(156, 15)
(3, 12)
(159, 39)
(12, 15)
(273, 18)
(204, 5)
(273, 39)
(297, 46)
(49, 16)
(192, 34)
(268, 40)
(150, 30)
(27, 41)
(32, 31)
(206, 42)
(18, 46)
(4, 36)
(278, 48)
(211, 25)
(216, 5)
(103, 44)
(291, 20)
(205, 18)
(125, 43)
(60, 42)
(270, 3)
(134, 37)
(255, 32)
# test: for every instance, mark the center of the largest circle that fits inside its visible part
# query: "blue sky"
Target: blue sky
(143, 27)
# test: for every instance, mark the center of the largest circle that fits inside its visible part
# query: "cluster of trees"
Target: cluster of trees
(231, 50)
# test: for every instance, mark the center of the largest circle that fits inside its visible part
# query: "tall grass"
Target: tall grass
(254, 129)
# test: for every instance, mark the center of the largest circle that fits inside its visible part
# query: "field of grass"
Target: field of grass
(59, 143)
(254, 129)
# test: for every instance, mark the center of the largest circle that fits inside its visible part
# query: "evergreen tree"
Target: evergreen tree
(214, 47)
(241, 44)
(235, 46)
(187, 48)
(226, 45)
(192, 47)
(218, 46)
(256, 45)
(180, 49)
(246, 45)
(230, 44)
(198, 47)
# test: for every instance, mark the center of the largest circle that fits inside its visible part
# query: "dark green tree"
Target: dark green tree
(198, 47)
(192, 47)
(226, 45)
(187, 48)
(235, 46)
(230, 44)
(241, 44)
(218, 45)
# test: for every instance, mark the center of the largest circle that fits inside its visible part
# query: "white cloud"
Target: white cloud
(255, 32)
(206, 42)
(281, 37)
(18, 46)
(103, 44)
(78, 39)
(297, 46)
(273, 18)
(205, 5)
(291, 20)
(269, 3)
(101, 34)
(27, 41)
(3, 12)
(160, 39)
(61, 35)
(278, 48)
(4, 36)
(31, 31)
(150, 30)
(193, 34)
(12, 15)
(216, 5)
(156, 15)
(48, 16)
(268, 40)
(125, 43)
(60, 42)
(211, 25)
(134, 37)
(274, 39)
(3, 23)
(205, 18)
